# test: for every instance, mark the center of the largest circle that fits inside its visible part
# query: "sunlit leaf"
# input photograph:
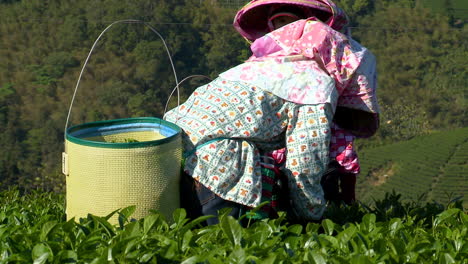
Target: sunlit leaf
(149, 222)
(328, 226)
(446, 215)
(317, 258)
(232, 229)
(446, 258)
(67, 256)
(191, 260)
(124, 215)
(179, 216)
(368, 222)
(40, 253)
(46, 229)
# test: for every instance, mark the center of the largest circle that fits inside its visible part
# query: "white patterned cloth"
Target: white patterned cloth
(229, 124)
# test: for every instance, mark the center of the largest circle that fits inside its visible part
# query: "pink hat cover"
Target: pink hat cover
(251, 21)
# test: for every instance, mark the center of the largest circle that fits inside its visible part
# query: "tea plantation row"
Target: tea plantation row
(433, 167)
(34, 229)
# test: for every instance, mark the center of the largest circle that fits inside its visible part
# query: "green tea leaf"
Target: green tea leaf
(67, 256)
(101, 221)
(41, 259)
(146, 257)
(41, 253)
(422, 247)
(360, 259)
(109, 216)
(232, 229)
(124, 214)
(328, 226)
(312, 228)
(191, 260)
(331, 240)
(131, 230)
(317, 258)
(295, 229)
(187, 240)
(149, 222)
(446, 215)
(197, 221)
(394, 225)
(237, 256)
(368, 223)
(179, 217)
(271, 259)
(347, 234)
(131, 245)
(46, 229)
(446, 258)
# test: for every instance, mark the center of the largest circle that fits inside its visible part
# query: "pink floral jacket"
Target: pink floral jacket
(308, 62)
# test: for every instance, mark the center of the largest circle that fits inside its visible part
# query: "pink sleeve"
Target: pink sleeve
(360, 96)
(361, 92)
(342, 149)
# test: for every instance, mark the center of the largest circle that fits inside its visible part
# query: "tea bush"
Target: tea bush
(34, 229)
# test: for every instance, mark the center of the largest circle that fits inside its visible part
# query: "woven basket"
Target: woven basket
(118, 163)
(107, 171)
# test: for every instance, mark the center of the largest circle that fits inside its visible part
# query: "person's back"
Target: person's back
(283, 98)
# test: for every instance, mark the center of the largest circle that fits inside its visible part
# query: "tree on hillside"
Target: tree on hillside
(43, 45)
(420, 66)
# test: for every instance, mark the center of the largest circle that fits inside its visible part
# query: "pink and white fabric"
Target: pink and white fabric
(314, 52)
(342, 149)
(308, 62)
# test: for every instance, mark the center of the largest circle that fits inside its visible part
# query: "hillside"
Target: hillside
(433, 167)
(421, 56)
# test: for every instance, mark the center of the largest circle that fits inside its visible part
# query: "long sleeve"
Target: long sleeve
(307, 143)
(334, 50)
(361, 91)
(357, 106)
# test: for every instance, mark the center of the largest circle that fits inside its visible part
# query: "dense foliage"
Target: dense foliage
(43, 44)
(34, 229)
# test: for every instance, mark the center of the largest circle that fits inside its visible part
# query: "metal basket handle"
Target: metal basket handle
(127, 21)
(177, 88)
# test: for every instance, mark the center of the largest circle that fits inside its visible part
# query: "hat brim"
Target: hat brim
(252, 20)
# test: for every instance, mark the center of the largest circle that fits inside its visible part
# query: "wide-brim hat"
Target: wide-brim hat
(251, 21)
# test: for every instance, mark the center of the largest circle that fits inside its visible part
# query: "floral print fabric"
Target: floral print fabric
(299, 81)
(342, 149)
(229, 124)
(297, 63)
(284, 96)
(308, 62)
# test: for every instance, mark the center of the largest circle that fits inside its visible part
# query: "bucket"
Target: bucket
(118, 163)
(113, 164)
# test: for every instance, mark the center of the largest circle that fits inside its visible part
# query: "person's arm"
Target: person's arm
(307, 142)
(357, 107)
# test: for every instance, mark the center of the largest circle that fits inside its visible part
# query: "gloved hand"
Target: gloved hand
(278, 155)
(348, 187)
(338, 185)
